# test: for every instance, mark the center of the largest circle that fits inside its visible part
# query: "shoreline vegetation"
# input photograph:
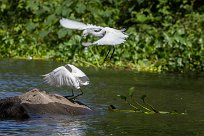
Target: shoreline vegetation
(164, 36)
(106, 65)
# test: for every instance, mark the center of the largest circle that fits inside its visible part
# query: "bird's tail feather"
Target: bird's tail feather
(123, 29)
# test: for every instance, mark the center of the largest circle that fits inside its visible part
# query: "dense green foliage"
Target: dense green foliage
(164, 35)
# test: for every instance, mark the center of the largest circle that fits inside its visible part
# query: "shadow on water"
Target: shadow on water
(166, 91)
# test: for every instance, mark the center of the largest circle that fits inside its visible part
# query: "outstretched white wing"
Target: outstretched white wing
(112, 37)
(71, 24)
(83, 79)
(61, 77)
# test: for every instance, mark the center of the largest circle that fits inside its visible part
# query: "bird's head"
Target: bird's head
(85, 33)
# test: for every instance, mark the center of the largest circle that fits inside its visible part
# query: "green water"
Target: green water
(167, 92)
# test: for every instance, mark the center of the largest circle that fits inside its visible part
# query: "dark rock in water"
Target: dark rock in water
(39, 103)
(11, 108)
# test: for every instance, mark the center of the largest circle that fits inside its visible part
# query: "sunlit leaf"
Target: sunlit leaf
(149, 113)
(141, 17)
(131, 91)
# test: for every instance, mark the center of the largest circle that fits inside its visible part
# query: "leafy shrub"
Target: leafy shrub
(164, 35)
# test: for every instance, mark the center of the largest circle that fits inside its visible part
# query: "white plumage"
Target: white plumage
(67, 75)
(110, 36)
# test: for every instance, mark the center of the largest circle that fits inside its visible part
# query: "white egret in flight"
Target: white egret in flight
(67, 75)
(109, 36)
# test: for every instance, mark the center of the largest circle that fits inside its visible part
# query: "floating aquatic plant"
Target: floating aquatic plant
(143, 107)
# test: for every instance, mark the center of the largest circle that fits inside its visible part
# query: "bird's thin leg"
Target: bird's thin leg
(68, 96)
(106, 55)
(112, 53)
(77, 95)
(72, 93)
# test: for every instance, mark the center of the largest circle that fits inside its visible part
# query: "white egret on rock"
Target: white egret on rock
(109, 36)
(67, 75)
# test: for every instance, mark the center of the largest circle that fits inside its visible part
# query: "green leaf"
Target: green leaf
(30, 26)
(141, 17)
(131, 91)
(61, 33)
(44, 33)
(51, 19)
(80, 8)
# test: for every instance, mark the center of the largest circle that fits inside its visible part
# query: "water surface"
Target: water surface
(167, 92)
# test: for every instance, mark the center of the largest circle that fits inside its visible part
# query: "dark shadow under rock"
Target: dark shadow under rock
(11, 108)
(36, 102)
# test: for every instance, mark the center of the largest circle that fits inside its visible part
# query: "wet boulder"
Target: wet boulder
(40, 103)
(11, 108)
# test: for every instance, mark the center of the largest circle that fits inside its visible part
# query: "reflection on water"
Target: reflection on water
(74, 128)
(46, 126)
(166, 91)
